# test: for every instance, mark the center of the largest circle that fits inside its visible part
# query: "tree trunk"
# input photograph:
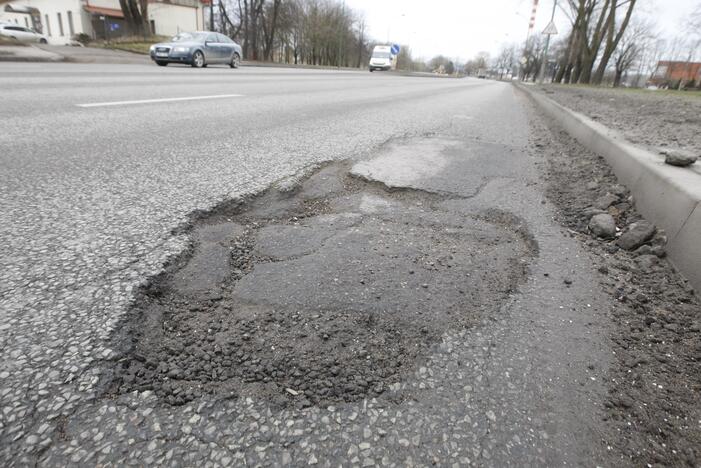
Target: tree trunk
(611, 41)
(270, 31)
(145, 23)
(589, 51)
(617, 78)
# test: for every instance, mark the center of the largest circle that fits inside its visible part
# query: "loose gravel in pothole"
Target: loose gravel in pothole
(325, 290)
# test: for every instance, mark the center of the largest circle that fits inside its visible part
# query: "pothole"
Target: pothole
(327, 291)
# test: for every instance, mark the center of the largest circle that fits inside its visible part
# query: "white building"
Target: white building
(60, 20)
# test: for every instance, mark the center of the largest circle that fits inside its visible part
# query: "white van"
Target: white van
(382, 58)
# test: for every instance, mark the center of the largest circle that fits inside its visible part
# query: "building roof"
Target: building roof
(113, 12)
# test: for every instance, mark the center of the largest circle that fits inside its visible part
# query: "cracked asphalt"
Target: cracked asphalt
(95, 202)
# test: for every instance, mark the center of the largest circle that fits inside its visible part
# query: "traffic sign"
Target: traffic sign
(395, 49)
(550, 29)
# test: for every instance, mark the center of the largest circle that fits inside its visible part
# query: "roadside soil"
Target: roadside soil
(654, 119)
(322, 290)
(655, 382)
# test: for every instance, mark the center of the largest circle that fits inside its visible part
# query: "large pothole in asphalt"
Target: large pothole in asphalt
(328, 292)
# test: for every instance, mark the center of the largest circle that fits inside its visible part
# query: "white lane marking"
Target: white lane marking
(152, 101)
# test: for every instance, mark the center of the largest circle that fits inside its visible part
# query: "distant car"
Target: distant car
(22, 34)
(382, 58)
(199, 49)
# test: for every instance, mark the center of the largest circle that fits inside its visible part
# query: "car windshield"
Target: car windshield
(189, 37)
(383, 55)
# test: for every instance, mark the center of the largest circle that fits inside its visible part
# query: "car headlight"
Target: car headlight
(152, 48)
(181, 49)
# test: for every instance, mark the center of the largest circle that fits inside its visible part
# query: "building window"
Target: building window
(60, 24)
(153, 26)
(71, 29)
(48, 25)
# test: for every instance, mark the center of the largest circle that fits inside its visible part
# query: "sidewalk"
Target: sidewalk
(96, 55)
(28, 54)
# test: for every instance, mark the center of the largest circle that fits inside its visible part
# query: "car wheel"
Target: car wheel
(161, 64)
(43, 41)
(198, 59)
(235, 60)
(372, 70)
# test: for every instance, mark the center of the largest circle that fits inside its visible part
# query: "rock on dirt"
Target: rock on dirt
(636, 235)
(603, 226)
(679, 158)
(605, 201)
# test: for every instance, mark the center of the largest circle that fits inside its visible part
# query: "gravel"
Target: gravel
(636, 235)
(652, 119)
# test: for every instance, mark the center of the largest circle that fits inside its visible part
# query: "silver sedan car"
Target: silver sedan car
(199, 49)
(21, 34)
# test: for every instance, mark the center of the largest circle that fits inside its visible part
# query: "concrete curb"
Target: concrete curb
(666, 195)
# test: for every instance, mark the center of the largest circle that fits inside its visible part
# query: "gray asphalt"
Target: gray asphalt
(90, 199)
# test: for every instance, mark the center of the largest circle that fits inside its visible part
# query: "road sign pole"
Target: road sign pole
(541, 75)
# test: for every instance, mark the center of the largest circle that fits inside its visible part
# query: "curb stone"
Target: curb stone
(666, 195)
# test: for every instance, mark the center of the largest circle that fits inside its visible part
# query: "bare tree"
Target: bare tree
(693, 28)
(594, 24)
(505, 61)
(136, 16)
(614, 34)
(637, 39)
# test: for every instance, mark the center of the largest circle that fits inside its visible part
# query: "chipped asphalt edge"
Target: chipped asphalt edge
(668, 196)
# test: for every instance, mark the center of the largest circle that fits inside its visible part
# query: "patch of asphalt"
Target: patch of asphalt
(654, 382)
(646, 118)
(332, 293)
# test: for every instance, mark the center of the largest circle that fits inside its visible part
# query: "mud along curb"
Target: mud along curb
(668, 196)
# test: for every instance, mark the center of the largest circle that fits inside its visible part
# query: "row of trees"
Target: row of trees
(595, 36)
(608, 41)
(314, 32)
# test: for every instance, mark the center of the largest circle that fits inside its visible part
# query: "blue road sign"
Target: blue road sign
(395, 49)
(114, 26)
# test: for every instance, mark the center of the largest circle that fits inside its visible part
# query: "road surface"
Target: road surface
(103, 168)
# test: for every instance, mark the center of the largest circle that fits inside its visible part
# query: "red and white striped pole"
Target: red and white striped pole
(531, 24)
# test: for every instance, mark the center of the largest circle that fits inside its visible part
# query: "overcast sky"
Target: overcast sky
(462, 28)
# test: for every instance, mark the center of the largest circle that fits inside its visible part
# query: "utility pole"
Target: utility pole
(547, 46)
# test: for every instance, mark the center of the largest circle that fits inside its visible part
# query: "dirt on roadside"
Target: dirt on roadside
(654, 119)
(654, 407)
